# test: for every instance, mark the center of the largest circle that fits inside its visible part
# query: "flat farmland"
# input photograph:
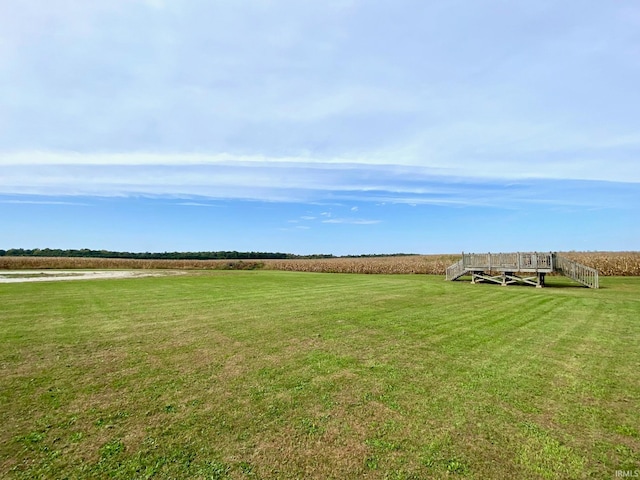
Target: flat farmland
(607, 263)
(276, 374)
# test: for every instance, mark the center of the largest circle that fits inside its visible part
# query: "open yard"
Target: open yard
(271, 374)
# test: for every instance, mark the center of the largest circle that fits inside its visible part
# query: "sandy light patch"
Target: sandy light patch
(19, 276)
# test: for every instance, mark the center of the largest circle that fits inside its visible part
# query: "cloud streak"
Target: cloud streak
(352, 221)
(577, 167)
(43, 202)
(307, 182)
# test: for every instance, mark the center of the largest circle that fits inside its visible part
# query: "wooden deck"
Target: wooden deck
(505, 268)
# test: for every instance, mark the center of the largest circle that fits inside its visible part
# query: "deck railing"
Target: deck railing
(513, 262)
(509, 264)
(456, 270)
(577, 271)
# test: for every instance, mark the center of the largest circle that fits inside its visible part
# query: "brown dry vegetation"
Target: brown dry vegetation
(20, 263)
(425, 264)
(607, 263)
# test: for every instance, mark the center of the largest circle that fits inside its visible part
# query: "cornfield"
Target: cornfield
(425, 264)
(607, 263)
(89, 263)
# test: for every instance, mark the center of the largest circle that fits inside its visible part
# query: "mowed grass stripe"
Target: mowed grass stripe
(290, 375)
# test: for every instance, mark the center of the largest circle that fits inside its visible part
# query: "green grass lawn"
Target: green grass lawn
(269, 374)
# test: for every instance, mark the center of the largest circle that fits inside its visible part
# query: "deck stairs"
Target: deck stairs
(456, 270)
(578, 272)
(483, 267)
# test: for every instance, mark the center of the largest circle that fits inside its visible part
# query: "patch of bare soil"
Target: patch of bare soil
(19, 276)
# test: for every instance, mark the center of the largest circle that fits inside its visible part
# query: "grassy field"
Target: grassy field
(267, 374)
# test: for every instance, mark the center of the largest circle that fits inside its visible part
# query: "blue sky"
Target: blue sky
(343, 127)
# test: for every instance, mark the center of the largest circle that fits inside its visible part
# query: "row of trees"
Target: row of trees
(220, 255)
(85, 252)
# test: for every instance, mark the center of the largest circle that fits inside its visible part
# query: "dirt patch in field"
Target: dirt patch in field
(20, 276)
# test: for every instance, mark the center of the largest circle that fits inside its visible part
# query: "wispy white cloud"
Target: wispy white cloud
(43, 202)
(352, 221)
(401, 162)
(196, 204)
(309, 183)
(295, 228)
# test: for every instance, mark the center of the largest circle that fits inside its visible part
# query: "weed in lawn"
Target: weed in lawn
(311, 427)
(111, 448)
(457, 467)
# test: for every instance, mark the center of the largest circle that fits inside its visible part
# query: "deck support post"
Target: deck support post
(506, 277)
(540, 283)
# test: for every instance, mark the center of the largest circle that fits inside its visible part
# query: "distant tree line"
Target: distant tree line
(85, 252)
(220, 255)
